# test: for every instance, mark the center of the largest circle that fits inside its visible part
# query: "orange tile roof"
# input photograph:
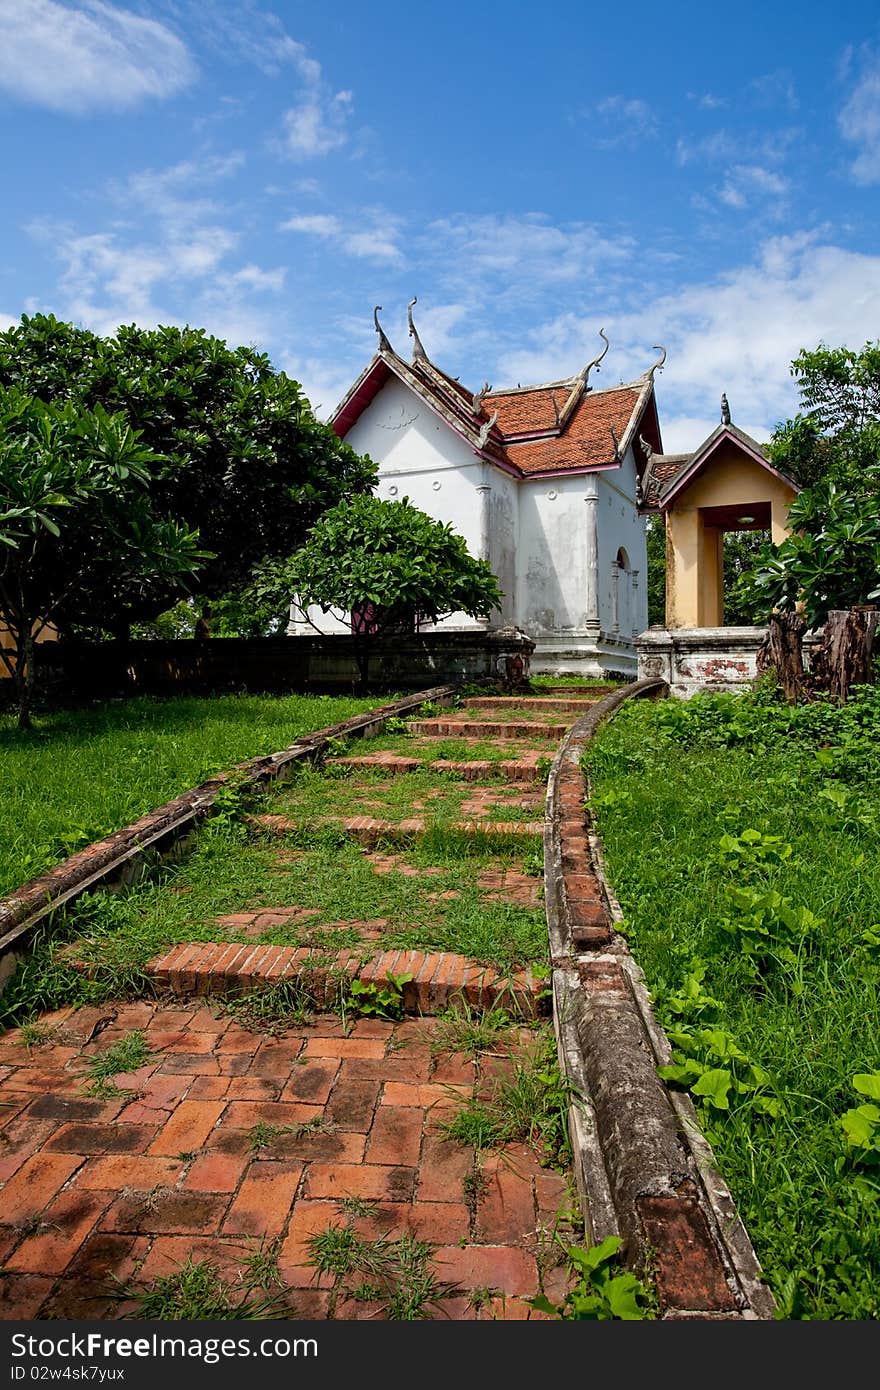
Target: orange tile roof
(583, 441)
(521, 412)
(586, 441)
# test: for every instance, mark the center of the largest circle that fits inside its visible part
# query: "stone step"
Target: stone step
(369, 832)
(553, 704)
(438, 979)
(476, 770)
(466, 728)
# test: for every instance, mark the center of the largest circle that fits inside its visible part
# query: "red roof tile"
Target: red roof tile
(526, 412)
(586, 441)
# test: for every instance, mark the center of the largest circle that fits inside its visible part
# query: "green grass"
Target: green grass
(529, 1105)
(125, 1055)
(231, 871)
(86, 772)
(450, 749)
(315, 793)
(539, 683)
(196, 1292)
(736, 971)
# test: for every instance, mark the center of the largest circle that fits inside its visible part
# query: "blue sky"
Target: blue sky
(703, 178)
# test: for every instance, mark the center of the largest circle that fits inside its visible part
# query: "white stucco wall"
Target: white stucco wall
(621, 528)
(551, 561)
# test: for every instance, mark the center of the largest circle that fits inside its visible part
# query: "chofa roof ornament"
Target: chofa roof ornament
(585, 374)
(725, 409)
(616, 444)
(418, 350)
(477, 400)
(487, 429)
(658, 366)
(384, 345)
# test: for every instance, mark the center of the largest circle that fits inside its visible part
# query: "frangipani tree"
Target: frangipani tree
(75, 515)
(385, 566)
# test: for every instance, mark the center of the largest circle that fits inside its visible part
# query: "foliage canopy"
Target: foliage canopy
(238, 454)
(386, 563)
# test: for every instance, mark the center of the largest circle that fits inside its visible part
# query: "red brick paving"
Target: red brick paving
(99, 1195)
(135, 1184)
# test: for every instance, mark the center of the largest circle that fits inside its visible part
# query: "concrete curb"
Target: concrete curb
(644, 1169)
(122, 856)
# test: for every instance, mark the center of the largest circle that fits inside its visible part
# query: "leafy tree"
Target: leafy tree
(839, 433)
(386, 564)
(75, 513)
(831, 561)
(242, 458)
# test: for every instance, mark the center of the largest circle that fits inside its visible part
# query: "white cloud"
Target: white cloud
(859, 122)
(746, 184)
(251, 277)
(88, 56)
(324, 383)
(629, 118)
(740, 332)
(707, 101)
(374, 244)
(376, 241)
(318, 124)
(314, 224)
(528, 250)
(736, 333)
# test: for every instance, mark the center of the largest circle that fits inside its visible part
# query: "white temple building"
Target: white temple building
(543, 482)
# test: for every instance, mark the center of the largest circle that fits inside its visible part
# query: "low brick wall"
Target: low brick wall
(644, 1169)
(96, 669)
(689, 659)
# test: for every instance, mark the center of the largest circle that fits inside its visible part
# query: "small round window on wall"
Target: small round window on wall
(436, 486)
(551, 495)
(392, 492)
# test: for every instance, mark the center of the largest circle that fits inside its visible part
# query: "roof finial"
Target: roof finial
(646, 448)
(418, 350)
(725, 409)
(487, 429)
(658, 366)
(554, 402)
(477, 400)
(384, 345)
(616, 444)
(585, 374)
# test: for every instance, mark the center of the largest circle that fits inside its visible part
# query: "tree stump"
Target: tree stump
(844, 658)
(782, 651)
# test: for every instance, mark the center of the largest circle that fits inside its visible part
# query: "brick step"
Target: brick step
(369, 832)
(394, 764)
(553, 704)
(465, 728)
(438, 978)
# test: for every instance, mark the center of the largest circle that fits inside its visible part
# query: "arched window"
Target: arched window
(621, 594)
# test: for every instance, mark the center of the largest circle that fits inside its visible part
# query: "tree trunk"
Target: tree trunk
(782, 651)
(844, 658)
(24, 677)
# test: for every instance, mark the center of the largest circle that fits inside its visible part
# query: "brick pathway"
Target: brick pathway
(229, 1145)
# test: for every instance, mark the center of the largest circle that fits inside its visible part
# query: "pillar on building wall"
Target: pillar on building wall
(615, 596)
(634, 590)
(484, 494)
(591, 550)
